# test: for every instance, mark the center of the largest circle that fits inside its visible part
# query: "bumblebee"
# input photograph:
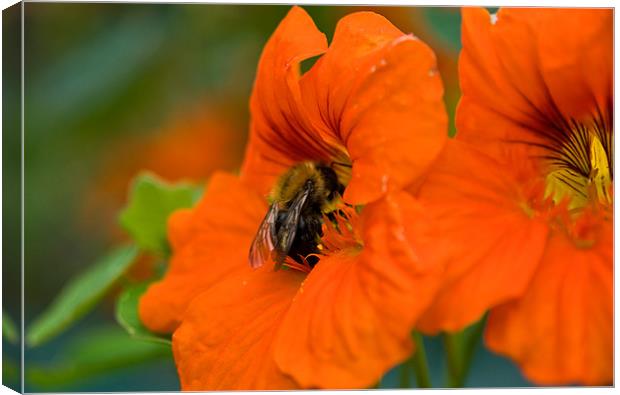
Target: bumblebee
(293, 224)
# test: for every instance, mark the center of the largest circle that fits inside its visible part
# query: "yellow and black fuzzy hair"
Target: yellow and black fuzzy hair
(293, 181)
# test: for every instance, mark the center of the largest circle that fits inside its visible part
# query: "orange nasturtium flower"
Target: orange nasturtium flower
(524, 193)
(372, 101)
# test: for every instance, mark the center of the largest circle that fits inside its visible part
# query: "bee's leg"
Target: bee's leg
(309, 233)
(312, 260)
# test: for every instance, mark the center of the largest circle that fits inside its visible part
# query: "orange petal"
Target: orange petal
(561, 330)
(180, 230)
(489, 64)
(547, 65)
(209, 243)
(377, 92)
(352, 318)
(226, 339)
(481, 79)
(480, 212)
(576, 58)
(500, 138)
(280, 132)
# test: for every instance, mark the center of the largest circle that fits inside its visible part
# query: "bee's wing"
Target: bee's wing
(288, 229)
(264, 239)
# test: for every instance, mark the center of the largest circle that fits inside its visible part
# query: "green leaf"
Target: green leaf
(9, 329)
(127, 315)
(80, 295)
(151, 202)
(93, 352)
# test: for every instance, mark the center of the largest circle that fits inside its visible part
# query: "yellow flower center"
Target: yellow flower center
(581, 172)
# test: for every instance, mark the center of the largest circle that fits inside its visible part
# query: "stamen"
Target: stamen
(340, 232)
(305, 267)
(580, 169)
(600, 175)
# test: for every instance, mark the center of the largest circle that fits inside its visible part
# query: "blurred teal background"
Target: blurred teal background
(111, 89)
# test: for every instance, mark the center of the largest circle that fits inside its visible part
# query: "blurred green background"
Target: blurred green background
(111, 89)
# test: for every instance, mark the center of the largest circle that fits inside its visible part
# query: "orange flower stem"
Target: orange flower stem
(460, 348)
(418, 361)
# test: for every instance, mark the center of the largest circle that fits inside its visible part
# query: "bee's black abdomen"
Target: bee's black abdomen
(309, 231)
